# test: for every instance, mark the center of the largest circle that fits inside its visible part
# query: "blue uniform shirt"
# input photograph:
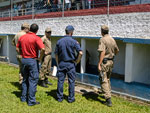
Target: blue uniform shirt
(66, 48)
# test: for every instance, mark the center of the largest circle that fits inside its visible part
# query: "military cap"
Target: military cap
(69, 28)
(25, 25)
(105, 27)
(48, 29)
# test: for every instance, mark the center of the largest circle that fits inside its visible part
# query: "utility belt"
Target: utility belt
(106, 59)
(48, 54)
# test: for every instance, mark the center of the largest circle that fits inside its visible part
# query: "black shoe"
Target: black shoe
(47, 82)
(60, 100)
(36, 103)
(43, 84)
(108, 102)
(71, 101)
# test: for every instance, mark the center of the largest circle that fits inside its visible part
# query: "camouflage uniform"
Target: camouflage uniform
(18, 56)
(14, 43)
(47, 59)
(107, 44)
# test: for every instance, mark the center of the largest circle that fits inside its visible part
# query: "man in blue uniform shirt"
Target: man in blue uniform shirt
(66, 60)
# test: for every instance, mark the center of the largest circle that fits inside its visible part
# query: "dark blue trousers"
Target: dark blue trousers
(30, 72)
(66, 68)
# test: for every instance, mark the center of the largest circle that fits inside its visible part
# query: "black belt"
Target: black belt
(48, 53)
(106, 59)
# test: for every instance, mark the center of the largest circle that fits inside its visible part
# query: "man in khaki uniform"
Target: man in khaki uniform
(24, 29)
(107, 49)
(45, 70)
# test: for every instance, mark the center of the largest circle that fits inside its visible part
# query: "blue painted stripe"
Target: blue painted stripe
(126, 40)
(134, 89)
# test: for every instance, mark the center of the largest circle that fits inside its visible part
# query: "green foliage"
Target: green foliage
(90, 103)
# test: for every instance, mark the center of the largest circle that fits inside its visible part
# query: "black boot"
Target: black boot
(47, 82)
(43, 84)
(108, 102)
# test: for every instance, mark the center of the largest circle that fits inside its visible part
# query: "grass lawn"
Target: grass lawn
(10, 99)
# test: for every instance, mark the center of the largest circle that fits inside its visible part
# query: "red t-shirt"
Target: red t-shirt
(30, 44)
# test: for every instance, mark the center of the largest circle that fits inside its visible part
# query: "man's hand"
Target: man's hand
(99, 67)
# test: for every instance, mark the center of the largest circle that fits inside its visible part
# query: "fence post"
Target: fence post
(33, 9)
(11, 10)
(108, 13)
(63, 8)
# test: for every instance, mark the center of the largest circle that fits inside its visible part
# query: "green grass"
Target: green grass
(10, 99)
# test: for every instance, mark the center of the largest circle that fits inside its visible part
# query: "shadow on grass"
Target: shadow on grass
(54, 95)
(17, 93)
(92, 95)
(16, 84)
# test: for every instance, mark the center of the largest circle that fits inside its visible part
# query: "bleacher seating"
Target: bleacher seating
(39, 6)
(103, 3)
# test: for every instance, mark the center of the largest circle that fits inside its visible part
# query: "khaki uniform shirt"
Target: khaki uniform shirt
(47, 43)
(108, 44)
(17, 36)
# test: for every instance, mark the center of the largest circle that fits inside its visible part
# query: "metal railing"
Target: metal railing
(45, 6)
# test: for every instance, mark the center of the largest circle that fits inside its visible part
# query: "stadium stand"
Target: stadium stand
(42, 6)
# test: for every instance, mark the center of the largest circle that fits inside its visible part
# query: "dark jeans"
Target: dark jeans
(30, 74)
(63, 69)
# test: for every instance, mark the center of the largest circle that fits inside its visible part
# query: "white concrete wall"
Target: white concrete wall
(12, 51)
(141, 63)
(127, 25)
(137, 67)
(3, 49)
(91, 46)
(119, 61)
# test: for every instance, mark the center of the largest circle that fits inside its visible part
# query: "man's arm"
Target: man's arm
(56, 57)
(13, 42)
(18, 50)
(101, 57)
(79, 57)
(116, 50)
(41, 54)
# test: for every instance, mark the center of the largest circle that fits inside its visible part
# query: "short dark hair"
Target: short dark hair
(104, 31)
(34, 28)
(67, 32)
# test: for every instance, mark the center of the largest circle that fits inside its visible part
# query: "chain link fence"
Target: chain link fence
(11, 8)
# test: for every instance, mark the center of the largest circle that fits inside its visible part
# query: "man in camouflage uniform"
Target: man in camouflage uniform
(107, 49)
(24, 29)
(45, 70)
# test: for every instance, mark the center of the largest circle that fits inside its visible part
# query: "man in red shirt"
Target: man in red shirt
(29, 45)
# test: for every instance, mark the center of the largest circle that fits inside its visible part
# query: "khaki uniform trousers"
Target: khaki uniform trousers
(19, 57)
(105, 84)
(46, 67)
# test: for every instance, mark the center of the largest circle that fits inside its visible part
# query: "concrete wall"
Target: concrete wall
(131, 25)
(3, 49)
(137, 63)
(119, 61)
(92, 46)
(141, 63)
(12, 51)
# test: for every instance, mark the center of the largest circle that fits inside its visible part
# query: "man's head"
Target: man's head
(104, 30)
(25, 27)
(69, 30)
(48, 32)
(34, 28)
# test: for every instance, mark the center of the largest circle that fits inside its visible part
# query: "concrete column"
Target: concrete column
(8, 48)
(83, 60)
(129, 63)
